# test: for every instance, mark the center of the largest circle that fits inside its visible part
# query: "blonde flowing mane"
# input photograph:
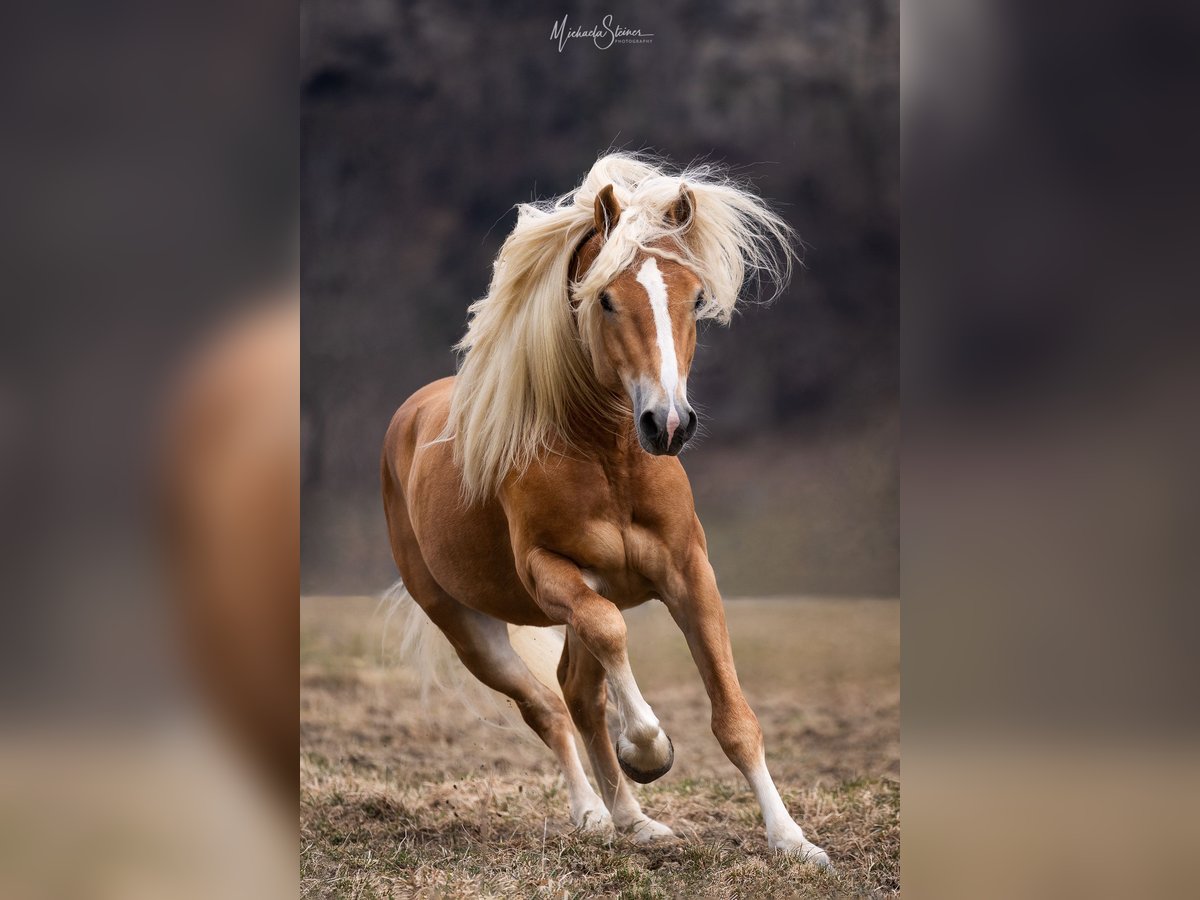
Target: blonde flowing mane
(526, 363)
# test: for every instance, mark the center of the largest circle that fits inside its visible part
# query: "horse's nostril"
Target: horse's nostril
(692, 422)
(647, 424)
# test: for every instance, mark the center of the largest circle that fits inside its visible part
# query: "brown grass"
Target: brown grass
(398, 800)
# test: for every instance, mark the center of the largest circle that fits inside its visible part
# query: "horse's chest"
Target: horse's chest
(623, 530)
(627, 564)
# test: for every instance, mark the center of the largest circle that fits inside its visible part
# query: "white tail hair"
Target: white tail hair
(427, 652)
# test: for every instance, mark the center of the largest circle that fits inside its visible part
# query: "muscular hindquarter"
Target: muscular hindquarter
(468, 551)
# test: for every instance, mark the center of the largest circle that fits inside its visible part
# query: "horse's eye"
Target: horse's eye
(606, 302)
(699, 302)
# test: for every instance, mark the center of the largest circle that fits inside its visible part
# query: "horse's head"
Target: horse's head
(640, 252)
(643, 327)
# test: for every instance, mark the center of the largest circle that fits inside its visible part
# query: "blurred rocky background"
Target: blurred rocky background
(424, 123)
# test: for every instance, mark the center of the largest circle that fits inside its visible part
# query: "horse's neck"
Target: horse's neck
(603, 432)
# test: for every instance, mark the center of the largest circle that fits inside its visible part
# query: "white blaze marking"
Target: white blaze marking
(651, 279)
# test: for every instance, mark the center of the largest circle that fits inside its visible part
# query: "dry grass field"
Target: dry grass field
(400, 800)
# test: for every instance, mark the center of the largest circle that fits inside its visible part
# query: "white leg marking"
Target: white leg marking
(668, 374)
(628, 817)
(783, 834)
(588, 811)
(642, 742)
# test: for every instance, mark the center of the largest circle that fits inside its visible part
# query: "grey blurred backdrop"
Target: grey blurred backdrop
(425, 122)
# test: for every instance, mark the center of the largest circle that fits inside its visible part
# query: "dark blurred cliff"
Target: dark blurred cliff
(424, 123)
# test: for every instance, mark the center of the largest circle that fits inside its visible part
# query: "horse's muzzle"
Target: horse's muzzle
(659, 435)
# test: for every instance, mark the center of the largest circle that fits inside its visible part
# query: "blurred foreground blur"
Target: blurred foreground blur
(148, 168)
(232, 504)
(1050, 490)
(156, 752)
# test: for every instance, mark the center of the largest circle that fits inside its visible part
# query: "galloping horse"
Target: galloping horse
(541, 486)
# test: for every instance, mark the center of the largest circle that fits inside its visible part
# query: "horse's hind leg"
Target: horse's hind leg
(583, 683)
(482, 644)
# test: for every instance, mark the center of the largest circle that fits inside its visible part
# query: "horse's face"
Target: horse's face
(646, 341)
(645, 332)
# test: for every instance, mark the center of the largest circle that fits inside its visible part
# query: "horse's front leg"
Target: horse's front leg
(643, 748)
(696, 606)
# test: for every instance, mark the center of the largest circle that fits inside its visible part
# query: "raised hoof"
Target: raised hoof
(654, 774)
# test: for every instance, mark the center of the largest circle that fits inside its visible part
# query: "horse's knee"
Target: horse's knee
(601, 627)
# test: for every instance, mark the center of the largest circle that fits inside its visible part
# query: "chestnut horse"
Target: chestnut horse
(541, 486)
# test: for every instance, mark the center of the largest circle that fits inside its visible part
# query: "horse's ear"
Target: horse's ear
(682, 212)
(608, 211)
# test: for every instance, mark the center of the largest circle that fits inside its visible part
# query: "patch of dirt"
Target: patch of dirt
(400, 800)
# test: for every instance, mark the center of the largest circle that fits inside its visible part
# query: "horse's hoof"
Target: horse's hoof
(646, 776)
(595, 822)
(647, 831)
(804, 850)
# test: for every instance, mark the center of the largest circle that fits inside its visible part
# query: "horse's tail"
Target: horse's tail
(426, 651)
